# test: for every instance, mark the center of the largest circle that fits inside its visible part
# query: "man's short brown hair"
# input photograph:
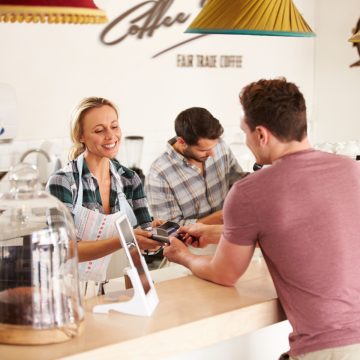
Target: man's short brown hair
(195, 123)
(277, 105)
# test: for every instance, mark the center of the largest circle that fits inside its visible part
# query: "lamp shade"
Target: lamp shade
(355, 38)
(57, 12)
(250, 17)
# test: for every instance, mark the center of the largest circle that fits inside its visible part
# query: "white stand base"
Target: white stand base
(140, 304)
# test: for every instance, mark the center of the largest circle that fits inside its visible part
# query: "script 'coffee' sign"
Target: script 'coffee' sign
(144, 19)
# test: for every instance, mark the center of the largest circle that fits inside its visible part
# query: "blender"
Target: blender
(134, 145)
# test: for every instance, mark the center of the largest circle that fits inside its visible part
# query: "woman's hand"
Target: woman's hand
(144, 241)
(157, 222)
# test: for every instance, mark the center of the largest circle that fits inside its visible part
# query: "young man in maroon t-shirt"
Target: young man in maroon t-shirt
(304, 213)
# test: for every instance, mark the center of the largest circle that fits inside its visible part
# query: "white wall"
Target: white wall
(52, 67)
(337, 86)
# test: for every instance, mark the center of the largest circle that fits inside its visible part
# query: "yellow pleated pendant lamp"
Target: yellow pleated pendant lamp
(54, 12)
(251, 17)
(355, 38)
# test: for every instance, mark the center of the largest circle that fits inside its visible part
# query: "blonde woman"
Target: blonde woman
(96, 187)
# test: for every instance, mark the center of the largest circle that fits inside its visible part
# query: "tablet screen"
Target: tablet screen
(128, 237)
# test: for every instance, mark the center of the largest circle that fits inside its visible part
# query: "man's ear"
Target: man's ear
(181, 141)
(262, 135)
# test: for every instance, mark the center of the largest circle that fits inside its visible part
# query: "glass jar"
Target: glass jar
(39, 289)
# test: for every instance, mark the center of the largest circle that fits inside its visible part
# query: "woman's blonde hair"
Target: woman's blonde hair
(78, 114)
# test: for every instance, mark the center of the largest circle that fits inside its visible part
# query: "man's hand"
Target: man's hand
(177, 251)
(200, 235)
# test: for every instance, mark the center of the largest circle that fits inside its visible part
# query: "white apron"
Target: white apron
(92, 225)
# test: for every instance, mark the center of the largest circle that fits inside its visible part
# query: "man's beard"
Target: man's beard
(190, 155)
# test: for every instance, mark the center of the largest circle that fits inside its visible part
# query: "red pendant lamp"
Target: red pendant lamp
(53, 12)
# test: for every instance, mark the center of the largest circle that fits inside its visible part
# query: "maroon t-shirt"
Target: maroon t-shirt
(305, 212)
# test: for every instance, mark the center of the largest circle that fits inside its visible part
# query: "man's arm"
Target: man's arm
(215, 218)
(225, 267)
(232, 256)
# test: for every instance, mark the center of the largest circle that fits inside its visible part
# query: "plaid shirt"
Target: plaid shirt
(64, 184)
(177, 191)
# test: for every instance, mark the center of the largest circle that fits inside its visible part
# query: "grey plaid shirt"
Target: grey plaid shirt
(177, 191)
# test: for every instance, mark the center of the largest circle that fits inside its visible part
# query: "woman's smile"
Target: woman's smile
(110, 146)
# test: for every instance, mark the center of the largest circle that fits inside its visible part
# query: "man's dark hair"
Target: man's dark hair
(195, 123)
(277, 105)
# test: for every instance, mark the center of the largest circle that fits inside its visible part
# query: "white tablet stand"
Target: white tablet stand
(144, 299)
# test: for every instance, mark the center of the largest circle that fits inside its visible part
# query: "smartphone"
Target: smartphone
(162, 232)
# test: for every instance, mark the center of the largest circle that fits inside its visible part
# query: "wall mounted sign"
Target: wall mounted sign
(208, 61)
(144, 20)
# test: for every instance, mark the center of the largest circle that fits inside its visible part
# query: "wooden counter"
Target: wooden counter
(192, 313)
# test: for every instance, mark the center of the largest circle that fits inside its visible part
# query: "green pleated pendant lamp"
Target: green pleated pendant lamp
(355, 38)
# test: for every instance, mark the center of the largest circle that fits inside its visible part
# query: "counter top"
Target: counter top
(192, 313)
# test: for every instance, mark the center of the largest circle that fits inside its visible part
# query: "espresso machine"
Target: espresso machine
(133, 148)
